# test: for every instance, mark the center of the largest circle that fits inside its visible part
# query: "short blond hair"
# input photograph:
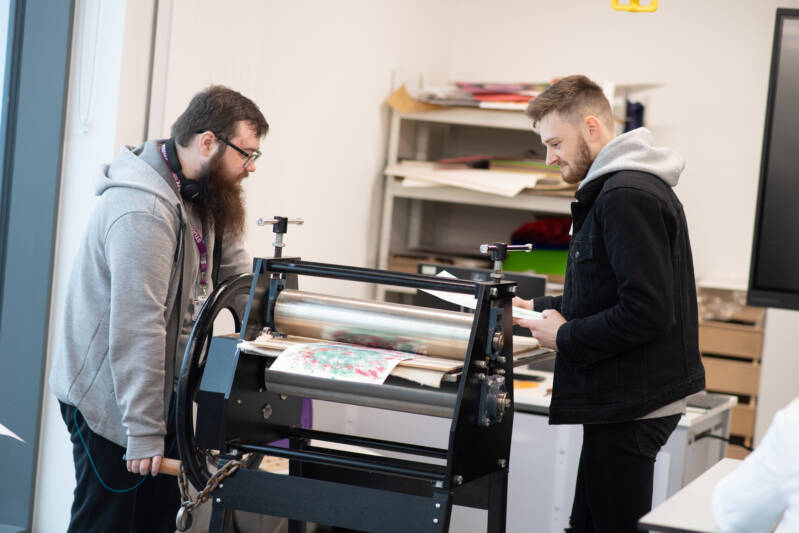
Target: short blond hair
(572, 97)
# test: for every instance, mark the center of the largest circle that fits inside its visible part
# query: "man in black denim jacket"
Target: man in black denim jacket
(626, 326)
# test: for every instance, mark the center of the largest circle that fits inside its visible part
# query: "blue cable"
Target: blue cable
(91, 461)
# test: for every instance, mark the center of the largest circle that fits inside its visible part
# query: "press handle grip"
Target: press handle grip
(169, 466)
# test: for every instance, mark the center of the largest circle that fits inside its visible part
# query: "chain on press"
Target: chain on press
(183, 518)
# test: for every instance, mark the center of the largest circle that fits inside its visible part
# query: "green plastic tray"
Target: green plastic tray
(540, 261)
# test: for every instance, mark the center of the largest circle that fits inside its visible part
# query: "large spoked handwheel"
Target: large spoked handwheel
(226, 296)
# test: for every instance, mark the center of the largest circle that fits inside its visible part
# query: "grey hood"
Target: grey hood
(634, 150)
(137, 168)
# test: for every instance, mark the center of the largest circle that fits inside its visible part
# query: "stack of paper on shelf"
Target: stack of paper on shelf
(403, 102)
(549, 176)
(495, 182)
(523, 165)
(507, 96)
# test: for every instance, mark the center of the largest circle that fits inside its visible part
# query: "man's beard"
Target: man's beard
(579, 167)
(223, 201)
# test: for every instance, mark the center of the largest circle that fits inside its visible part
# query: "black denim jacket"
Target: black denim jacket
(630, 344)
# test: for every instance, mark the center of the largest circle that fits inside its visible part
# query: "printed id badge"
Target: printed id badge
(198, 305)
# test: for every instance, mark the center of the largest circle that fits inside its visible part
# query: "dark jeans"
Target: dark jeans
(614, 479)
(150, 508)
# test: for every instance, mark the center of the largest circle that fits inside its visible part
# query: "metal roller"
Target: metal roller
(377, 324)
(393, 397)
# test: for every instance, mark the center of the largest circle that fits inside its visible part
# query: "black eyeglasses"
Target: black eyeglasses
(249, 159)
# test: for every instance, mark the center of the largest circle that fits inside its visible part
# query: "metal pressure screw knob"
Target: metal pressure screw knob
(279, 227)
(502, 248)
(277, 220)
(499, 251)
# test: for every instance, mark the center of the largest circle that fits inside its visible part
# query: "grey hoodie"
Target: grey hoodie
(634, 151)
(123, 332)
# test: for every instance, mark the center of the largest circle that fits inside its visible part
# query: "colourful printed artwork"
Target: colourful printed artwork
(339, 361)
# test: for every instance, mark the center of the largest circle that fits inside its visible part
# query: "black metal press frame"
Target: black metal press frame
(361, 491)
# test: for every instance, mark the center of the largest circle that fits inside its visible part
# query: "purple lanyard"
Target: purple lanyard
(199, 240)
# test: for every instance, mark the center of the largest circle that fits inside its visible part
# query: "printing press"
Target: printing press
(464, 372)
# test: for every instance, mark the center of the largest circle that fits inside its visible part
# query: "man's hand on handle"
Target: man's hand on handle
(145, 466)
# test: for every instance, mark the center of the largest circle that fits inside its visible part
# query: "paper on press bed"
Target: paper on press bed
(470, 302)
(346, 362)
(425, 370)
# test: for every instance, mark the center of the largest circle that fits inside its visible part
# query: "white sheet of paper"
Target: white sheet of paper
(504, 183)
(527, 314)
(5, 431)
(410, 182)
(470, 302)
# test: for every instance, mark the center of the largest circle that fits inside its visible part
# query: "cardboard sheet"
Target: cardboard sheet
(400, 100)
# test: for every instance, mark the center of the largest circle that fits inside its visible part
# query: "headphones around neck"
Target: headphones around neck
(190, 190)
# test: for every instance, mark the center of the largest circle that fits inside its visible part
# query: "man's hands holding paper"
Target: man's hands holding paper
(544, 329)
(544, 325)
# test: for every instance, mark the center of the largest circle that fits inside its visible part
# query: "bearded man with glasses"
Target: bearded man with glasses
(167, 224)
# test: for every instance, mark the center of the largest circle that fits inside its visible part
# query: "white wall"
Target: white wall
(320, 72)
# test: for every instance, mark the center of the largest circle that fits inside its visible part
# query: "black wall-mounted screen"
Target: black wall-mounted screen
(774, 270)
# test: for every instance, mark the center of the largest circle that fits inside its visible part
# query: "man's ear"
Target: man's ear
(207, 143)
(593, 128)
